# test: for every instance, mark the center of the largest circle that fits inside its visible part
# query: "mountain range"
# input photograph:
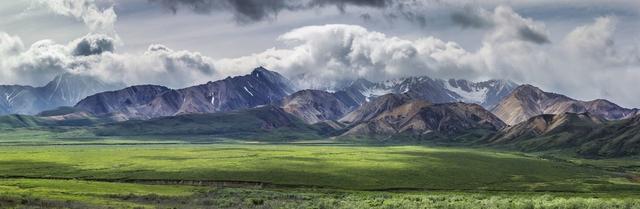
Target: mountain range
(261, 87)
(265, 103)
(150, 101)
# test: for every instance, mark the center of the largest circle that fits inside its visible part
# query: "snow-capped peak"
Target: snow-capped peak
(486, 93)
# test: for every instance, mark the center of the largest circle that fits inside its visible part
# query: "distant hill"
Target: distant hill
(614, 139)
(266, 122)
(584, 133)
(76, 119)
(21, 121)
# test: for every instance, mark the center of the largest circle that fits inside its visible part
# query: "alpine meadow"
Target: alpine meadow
(353, 104)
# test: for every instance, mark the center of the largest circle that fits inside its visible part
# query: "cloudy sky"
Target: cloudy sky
(586, 49)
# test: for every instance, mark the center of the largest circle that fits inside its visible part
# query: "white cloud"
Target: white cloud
(331, 53)
(10, 44)
(158, 65)
(509, 26)
(595, 43)
(586, 63)
(328, 54)
(97, 19)
(506, 52)
(589, 64)
(43, 60)
(93, 55)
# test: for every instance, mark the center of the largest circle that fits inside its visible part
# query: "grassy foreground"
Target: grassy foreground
(19, 193)
(302, 176)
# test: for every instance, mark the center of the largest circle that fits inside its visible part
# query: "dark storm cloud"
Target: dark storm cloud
(502, 17)
(469, 19)
(528, 34)
(366, 17)
(246, 11)
(93, 45)
(342, 4)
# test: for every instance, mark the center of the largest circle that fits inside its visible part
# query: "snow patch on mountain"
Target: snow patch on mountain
(486, 93)
(376, 92)
(247, 90)
(476, 95)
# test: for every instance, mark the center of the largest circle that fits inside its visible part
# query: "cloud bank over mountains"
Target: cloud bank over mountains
(94, 55)
(586, 62)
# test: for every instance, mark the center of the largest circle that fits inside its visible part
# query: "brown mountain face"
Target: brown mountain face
(542, 126)
(527, 101)
(370, 110)
(313, 106)
(261, 87)
(418, 117)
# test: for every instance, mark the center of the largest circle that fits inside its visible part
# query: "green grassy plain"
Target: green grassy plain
(75, 169)
(340, 167)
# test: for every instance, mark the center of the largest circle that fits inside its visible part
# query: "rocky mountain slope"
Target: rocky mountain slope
(586, 134)
(370, 110)
(313, 106)
(419, 117)
(63, 90)
(131, 102)
(261, 87)
(487, 93)
(527, 101)
(546, 125)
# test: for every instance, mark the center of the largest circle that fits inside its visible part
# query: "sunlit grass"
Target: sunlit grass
(310, 174)
(345, 167)
(85, 194)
